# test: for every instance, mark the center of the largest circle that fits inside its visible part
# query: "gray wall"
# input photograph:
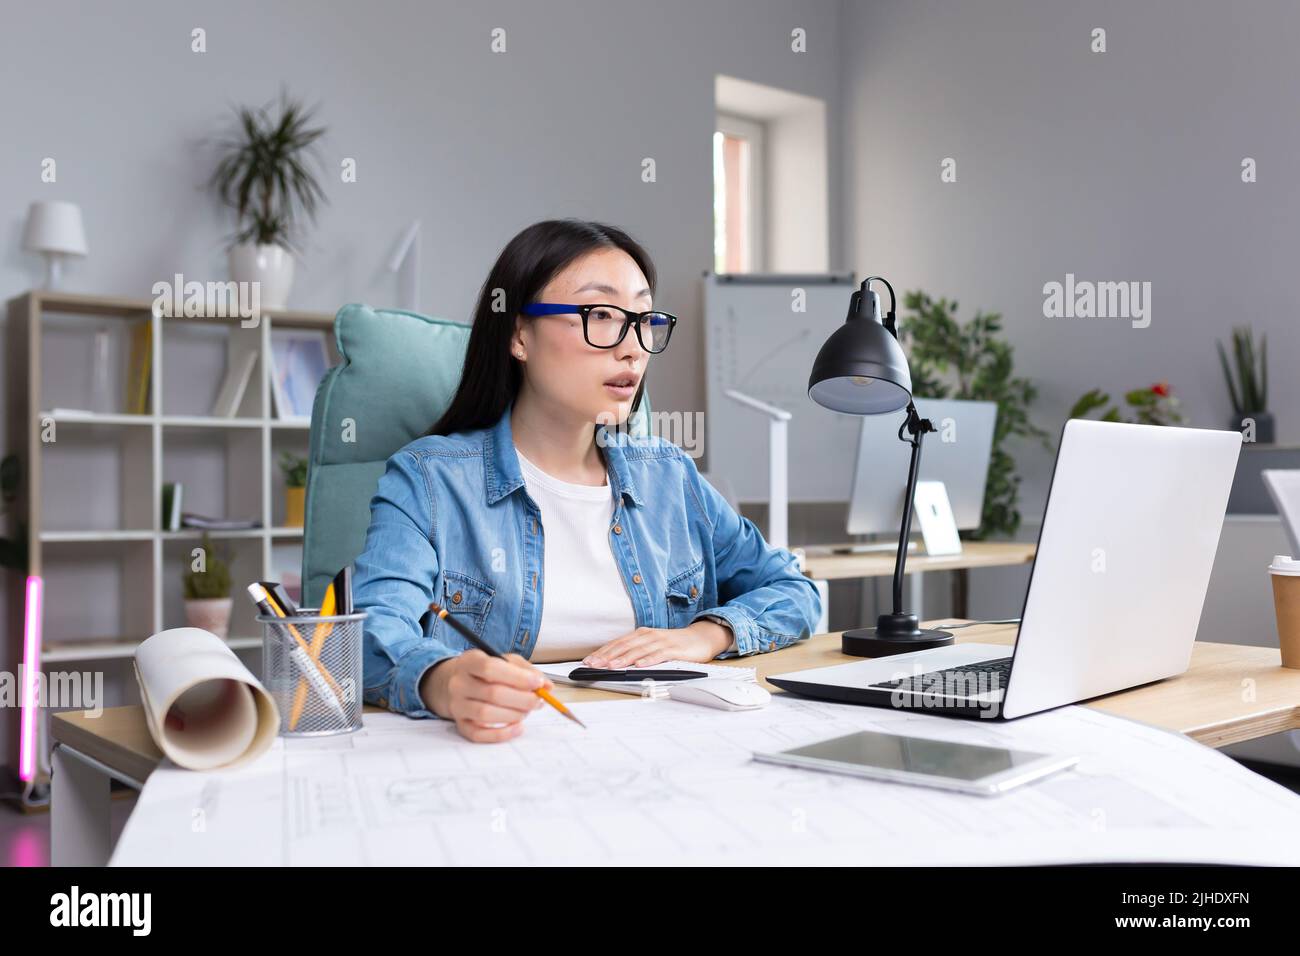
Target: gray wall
(475, 144)
(1115, 166)
(1122, 165)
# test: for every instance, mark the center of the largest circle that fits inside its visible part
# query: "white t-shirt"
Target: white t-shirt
(585, 603)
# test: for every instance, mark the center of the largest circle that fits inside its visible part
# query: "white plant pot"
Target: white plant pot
(209, 614)
(270, 266)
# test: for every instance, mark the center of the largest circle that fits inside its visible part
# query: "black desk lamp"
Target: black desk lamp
(862, 370)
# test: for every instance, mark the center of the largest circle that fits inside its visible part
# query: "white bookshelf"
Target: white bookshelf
(92, 496)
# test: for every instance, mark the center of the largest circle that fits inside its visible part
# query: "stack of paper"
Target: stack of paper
(658, 782)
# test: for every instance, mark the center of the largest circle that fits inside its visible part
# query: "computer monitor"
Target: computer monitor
(957, 453)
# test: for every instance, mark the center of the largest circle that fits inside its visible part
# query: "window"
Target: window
(771, 179)
(737, 195)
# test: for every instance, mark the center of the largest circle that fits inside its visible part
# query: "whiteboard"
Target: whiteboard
(757, 343)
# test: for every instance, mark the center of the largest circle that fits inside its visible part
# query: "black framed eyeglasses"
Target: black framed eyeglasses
(604, 326)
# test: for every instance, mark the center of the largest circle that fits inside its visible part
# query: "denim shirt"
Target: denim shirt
(452, 521)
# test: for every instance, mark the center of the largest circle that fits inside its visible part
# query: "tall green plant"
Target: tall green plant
(971, 361)
(264, 175)
(1249, 393)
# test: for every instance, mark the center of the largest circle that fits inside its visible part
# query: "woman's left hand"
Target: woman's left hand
(700, 641)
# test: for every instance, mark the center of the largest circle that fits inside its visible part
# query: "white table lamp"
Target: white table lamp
(405, 261)
(778, 534)
(54, 229)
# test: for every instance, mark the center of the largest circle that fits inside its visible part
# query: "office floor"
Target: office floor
(25, 838)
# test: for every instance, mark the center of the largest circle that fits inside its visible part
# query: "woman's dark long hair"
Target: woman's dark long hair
(492, 375)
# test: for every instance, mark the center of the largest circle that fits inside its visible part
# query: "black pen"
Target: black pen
(631, 674)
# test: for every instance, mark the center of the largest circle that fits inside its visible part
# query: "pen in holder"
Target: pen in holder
(312, 668)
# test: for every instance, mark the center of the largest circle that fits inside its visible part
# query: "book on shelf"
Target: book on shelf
(203, 522)
(241, 359)
(171, 505)
(139, 368)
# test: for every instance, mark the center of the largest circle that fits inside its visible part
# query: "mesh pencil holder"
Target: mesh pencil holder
(317, 697)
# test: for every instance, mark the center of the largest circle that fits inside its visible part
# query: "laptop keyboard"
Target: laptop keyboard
(966, 678)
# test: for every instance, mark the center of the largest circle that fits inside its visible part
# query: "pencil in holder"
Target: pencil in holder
(312, 668)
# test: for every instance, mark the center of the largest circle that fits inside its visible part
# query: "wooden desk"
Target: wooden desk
(1230, 693)
(880, 564)
(820, 564)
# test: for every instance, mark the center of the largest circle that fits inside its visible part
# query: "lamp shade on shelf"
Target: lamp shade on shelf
(55, 226)
(861, 369)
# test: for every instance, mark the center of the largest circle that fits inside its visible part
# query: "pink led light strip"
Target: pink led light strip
(31, 675)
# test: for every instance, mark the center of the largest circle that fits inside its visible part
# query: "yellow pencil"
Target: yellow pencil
(487, 648)
(327, 607)
(262, 597)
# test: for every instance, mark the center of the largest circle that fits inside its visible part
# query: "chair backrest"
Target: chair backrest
(397, 374)
(1284, 488)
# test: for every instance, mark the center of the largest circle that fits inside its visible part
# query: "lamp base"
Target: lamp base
(893, 634)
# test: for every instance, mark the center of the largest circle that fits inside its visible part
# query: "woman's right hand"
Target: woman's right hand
(488, 697)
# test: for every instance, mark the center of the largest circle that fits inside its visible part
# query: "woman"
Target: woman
(531, 514)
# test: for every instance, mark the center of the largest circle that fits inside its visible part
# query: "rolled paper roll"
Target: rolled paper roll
(204, 708)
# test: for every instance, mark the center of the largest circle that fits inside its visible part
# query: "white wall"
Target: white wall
(797, 204)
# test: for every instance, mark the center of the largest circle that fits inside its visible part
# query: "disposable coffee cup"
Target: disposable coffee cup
(1285, 572)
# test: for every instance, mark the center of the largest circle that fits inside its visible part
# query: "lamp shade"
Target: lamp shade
(861, 369)
(55, 226)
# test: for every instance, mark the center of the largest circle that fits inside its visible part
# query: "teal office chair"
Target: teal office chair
(396, 376)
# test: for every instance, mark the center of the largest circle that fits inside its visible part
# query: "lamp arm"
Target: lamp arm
(916, 426)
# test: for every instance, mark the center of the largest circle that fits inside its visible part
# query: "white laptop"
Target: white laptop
(1115, 593)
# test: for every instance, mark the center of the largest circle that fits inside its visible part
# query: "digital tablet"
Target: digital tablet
(970, 768)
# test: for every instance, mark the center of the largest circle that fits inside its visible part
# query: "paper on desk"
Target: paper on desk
(661, 782)
(203, 707)
(560, 672)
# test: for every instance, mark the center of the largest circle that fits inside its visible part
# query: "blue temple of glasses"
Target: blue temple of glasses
(556, 308)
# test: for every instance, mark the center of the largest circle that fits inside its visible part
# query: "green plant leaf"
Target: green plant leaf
(1088, 402)
(262, 175)
(213, 581)
(1227, 377)
(948, 359)
(1263, 373)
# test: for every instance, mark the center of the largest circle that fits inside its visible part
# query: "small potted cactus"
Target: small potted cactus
(207, 590)
(295, 488)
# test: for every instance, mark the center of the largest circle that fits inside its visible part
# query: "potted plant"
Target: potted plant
(1156, 405)
(13, 551)
(207, 591)
(1249, 392)
(295, 488)
(971, 361)
(264, 177)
